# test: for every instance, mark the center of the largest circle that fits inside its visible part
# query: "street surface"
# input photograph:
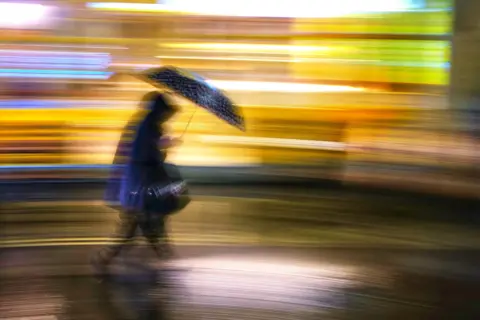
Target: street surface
(245, 252)
(244, 283)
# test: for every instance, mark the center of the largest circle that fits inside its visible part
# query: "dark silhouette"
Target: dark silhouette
(139, 163)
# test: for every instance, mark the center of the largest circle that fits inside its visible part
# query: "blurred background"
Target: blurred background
(335, 91)
(362, 148)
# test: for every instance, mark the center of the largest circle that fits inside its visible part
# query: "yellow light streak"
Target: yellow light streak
(251, 47)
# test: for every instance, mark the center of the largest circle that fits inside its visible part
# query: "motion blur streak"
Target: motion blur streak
(258, 48)
(279, 87)
(353, 194)
(267, 8)
(22, 14)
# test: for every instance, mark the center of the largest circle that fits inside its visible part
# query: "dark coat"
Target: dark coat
(138, 160)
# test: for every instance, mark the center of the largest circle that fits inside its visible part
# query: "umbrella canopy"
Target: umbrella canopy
(197, 90)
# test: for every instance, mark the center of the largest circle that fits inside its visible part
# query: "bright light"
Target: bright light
(123, 6)
(77, 54)
(64, 104)
(43, 59)
(275, 142)
(19, 15)
(273, 60)
(266, 282)
(264, 8)
(268, 265)
(250, 47)
(54, 74)
(261, 86)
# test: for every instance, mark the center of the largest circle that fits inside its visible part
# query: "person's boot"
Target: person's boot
(100, 263)
(163, 251)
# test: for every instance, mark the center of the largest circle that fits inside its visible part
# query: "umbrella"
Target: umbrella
(197, 90)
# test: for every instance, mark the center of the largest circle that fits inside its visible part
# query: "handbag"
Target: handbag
(169, 196)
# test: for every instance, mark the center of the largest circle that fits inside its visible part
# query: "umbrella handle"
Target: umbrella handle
(188, 123)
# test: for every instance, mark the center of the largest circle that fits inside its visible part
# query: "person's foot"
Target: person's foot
(163, 251)
(167, 252)
(99, 268)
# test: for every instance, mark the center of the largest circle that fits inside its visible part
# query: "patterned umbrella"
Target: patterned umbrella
(197, 90)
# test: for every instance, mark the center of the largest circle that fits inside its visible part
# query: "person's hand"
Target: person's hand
(175, 142)
(168, 142)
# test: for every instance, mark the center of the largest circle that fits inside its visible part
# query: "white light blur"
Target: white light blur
(273, 283)
(50, 65)
(52, 75)
(57, 53)
(125, 6)
(20, 15)
(265, 8)
(261, 86)
(276, 142)
(44, 59)
(268, 265)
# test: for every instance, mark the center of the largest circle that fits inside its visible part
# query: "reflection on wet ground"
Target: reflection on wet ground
(363, 256)
(246, 283)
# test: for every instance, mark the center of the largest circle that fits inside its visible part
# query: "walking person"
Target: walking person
(138, 164)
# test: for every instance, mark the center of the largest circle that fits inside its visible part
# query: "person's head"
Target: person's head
(159, 106)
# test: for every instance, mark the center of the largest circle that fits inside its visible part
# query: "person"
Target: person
(138, 163)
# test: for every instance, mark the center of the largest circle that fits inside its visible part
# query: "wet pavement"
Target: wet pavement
(245, 283)
(247, 253)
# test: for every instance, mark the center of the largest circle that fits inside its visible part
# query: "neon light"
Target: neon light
(55, 166)
(52, 52)
(27, 71)
(54, 59)
(63, 104)
(53, 74)
(43, 76)
(52, 63)
(52, 66)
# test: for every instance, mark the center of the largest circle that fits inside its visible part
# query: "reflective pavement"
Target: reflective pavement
(252, 253)
(226, 282)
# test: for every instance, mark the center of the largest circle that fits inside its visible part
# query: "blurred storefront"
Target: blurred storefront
(310, 86)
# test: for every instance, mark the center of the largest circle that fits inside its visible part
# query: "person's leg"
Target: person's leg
(124, 234)
(155, 231)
